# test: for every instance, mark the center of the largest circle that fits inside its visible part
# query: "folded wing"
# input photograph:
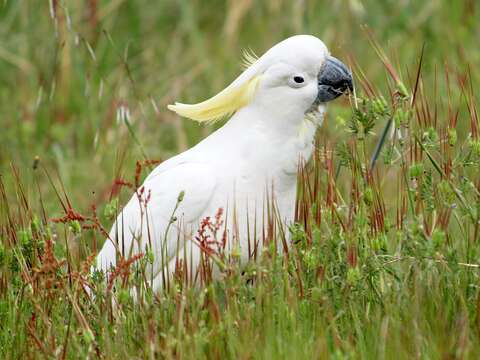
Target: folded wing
(156, 218)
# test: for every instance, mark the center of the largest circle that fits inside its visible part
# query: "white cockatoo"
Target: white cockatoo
(276, 105)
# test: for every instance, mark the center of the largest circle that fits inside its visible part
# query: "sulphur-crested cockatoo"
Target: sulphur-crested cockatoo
(276, 105)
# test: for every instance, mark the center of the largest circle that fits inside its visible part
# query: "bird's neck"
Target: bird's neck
(274, 142)
(277, 124)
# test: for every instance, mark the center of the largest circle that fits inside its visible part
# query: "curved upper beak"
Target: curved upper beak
(333, 80)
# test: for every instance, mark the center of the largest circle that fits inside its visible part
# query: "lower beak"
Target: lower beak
(334, 80)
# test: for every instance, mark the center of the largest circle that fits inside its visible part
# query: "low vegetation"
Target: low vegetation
(382, 262)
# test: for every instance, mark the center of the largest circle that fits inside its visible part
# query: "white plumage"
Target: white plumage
(277, 104)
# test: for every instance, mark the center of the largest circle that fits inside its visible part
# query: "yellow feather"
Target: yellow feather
(223, 104)
(249, 57)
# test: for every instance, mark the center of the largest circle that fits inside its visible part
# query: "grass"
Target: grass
(385, 254)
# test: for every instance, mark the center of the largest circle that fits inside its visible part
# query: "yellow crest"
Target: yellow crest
(229, 100)
(223, 104)
(249, 58)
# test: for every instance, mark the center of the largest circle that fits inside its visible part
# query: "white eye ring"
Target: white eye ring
(297, 81)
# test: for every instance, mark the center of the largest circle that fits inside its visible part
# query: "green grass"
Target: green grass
(385, 260)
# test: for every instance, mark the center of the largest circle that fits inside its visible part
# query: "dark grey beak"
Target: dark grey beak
(333, 80)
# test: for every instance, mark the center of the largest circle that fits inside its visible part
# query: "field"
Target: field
(384, 259)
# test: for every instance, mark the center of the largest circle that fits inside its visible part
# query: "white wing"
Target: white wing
(146, 217)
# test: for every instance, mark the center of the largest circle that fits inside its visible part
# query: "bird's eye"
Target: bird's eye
(298, 79)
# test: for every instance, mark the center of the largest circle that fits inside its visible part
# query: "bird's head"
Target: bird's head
(295, 76)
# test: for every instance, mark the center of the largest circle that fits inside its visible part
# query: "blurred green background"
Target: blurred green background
(72, 71)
